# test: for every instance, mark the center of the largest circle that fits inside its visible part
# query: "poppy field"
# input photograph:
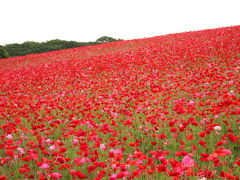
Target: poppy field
(165, 107)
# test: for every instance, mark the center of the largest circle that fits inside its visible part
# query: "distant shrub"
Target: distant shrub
(3, 53)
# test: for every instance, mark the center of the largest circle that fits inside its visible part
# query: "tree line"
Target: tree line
(31, 47)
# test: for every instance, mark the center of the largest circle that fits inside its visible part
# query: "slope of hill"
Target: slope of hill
(157, 108)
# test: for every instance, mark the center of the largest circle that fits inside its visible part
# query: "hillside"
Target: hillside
(161, 108)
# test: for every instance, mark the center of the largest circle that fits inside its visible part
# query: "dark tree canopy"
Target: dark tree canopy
(3, 53)
(105, 39)
(31, 47)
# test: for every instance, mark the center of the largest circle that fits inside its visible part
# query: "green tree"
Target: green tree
(105, 39)
(31, 47)
(3, 53)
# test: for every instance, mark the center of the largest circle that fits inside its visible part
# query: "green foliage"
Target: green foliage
(105, 39)
(31, 47)
(3, 53)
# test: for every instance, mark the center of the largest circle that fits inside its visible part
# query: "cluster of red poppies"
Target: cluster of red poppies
(159, 108)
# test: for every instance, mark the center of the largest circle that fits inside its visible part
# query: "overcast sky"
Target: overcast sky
(87, 20)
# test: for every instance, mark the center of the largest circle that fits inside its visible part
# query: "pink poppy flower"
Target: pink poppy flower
(102, 146)
(9, 136)
(55, 175)
(191, 102)
(223, 152)
(187, 161)
(44, 166)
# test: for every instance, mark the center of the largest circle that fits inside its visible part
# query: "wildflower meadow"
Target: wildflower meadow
(157, 108)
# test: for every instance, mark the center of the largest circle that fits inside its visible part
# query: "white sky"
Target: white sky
(87, 20)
